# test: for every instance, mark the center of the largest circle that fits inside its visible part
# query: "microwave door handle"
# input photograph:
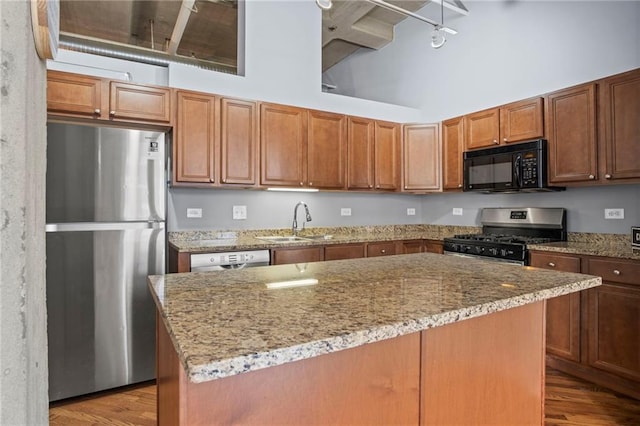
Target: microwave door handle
(516, 170)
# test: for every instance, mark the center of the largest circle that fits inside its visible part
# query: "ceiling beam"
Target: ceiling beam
(186, 8)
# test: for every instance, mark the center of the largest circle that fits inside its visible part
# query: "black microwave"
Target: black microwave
(520, 167)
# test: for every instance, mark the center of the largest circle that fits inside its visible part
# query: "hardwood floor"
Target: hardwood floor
(569, 401)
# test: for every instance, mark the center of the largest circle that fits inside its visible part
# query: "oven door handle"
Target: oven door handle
(517, 165)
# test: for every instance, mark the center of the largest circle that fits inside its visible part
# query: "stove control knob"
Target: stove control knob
(479, 249)
(503, 253)
(493, 251)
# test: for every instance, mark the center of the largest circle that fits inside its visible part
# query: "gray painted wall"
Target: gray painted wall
(504, 51)
(23, 341)
(275, 209)
(585, 208)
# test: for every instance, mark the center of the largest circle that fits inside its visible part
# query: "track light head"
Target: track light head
(324, 4)
(437, 38)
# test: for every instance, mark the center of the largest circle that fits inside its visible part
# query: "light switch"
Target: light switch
(194, 213)
(345, 211)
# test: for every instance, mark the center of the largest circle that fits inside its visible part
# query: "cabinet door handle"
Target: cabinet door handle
(495, 141)
(553, 265)
(370, 186)
(301, 184)
(310, 183)
(96, 111)
(505, 140)
(459, 185)
(112, 113)
(383, 251)
(607, 176)
(592, 177)
(616, 272)
(224, 181)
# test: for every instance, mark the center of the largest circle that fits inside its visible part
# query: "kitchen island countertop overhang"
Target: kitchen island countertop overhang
(230, 322)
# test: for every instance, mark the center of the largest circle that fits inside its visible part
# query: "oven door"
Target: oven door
(492, 172)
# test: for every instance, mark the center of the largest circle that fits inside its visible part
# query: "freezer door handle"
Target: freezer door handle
(103, 226)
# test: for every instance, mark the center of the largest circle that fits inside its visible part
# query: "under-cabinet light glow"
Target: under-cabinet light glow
(283, 189)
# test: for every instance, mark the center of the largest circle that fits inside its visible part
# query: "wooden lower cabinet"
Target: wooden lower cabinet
(412, 246)
(595, 334)
(285, 256)
(386, 248)
(424, 378)
(433, 246)
(344, 251)
(563, 313)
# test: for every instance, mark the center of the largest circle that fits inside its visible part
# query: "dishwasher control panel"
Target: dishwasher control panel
(201, 261)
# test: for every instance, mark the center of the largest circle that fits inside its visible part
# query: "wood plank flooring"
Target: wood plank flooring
(569, 401)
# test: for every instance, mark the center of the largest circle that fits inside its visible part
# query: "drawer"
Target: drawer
(558, 262)
(381, 249)
(620, 271)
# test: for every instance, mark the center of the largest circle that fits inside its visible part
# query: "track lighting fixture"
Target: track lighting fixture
(437, 38)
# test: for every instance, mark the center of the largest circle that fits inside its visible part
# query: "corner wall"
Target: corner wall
(23, 340)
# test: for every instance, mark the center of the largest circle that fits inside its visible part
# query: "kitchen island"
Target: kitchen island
(411, 339)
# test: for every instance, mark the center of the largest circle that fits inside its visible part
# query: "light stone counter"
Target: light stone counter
(607, 245)
(229, 322)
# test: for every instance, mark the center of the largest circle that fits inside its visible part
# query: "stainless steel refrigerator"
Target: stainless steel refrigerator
(106, 190)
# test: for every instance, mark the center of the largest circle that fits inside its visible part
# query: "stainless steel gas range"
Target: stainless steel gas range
(506, 233)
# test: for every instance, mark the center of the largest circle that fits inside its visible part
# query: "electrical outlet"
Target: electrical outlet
(457, 211)
(194, 213)
(239, 212)
(614, 213)
(411, 212)
(345, 211)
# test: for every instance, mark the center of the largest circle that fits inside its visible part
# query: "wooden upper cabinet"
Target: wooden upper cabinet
(326, 150)
(360, 153)
(238, 141)
(141, 103)
(194, 147)
(282, 145)
(74, 94)
(521, 121)
(387, 155)
(563, 312)
(483, 129)
(93, 97)
(421, 158)
(571, 132)
(620, 125)
(515, 122)
(453, 147)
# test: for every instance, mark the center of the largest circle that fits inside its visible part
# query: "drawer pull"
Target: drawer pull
(553, 265)
(592, 176)
(96, 111)
(383, 251)
(616, 272)
(607, 176)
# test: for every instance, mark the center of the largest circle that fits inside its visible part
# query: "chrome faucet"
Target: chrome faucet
(294, 227)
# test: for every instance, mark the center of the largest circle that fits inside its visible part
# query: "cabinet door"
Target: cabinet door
(563, 312)
(194, 147)
(521, 121)
(139, 103)
(73, 94)
(571, 131)
(387, 155)
(421, 158)
(412, 246)
(453, 146)
(483, 129)
(381, 249)
(614, 329)
(620, 118)
(282, 145)
(360, 153)
(296, 255)
(433, 246)
(326, 150)
(344, 251)
(238, 141)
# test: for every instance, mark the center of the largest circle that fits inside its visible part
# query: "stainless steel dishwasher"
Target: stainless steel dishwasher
(201, 262)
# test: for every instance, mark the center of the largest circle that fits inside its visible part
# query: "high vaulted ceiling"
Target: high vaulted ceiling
(211, 26)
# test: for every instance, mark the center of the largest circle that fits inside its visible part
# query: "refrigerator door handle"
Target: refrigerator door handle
(103, 226)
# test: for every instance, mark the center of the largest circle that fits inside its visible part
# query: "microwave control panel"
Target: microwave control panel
(529, 169)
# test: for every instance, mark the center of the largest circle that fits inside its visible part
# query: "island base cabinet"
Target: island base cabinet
(485, 370)
(488, 370)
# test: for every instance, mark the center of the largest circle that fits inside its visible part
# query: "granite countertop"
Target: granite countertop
(229, 322)
(607, 245)
(210, 241)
